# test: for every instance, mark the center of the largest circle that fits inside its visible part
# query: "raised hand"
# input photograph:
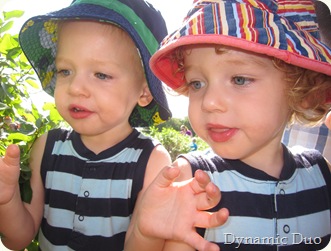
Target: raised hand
(171, 210)
(9, 173)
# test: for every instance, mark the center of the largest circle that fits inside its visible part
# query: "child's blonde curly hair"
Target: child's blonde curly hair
(307, 90)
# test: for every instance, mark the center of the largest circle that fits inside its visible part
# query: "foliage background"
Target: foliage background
(21, 119)
(171, 138)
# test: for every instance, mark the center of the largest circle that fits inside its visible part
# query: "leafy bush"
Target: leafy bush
(21, 120)
(175, 142)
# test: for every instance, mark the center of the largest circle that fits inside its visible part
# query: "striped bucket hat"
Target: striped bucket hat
(145, 25)
(284, 29)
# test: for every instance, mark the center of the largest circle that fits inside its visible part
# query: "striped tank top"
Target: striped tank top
(269, 214)
(89, 198)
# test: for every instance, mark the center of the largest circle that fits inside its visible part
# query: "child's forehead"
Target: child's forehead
(106, 26)
(237, 56)
(98, 30)
(97, 42)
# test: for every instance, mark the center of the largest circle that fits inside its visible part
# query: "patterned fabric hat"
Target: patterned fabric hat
(145, 25)
(284, 29)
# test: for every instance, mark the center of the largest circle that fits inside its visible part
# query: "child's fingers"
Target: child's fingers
(12, 156)
(166, 176)
(208, 194)
(208, 199)
(9, 173)
(199, 243)
(209, 220)
(200, 182)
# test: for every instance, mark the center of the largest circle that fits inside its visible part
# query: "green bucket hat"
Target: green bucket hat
(144, 24)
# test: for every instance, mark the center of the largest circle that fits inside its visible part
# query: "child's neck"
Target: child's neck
(271, 163)
(104, 141)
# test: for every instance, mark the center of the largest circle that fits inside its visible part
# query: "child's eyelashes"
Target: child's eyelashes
(240, 80)
(63, 72)
(98, 75)
(236, 80)
(196, 85)
(103, 76)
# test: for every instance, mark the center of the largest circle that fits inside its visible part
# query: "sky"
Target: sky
(173, 12)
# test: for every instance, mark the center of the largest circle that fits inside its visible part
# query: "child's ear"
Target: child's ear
(145, 97)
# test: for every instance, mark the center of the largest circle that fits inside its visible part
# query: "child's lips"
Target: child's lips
(220, 133)
(79, 112)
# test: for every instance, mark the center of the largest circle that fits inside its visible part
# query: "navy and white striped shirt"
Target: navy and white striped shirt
(289, 213)
(89, 198)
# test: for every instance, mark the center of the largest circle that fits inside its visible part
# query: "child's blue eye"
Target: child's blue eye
(63, 72)
(240, 80)
(196, 85)
(102, 76)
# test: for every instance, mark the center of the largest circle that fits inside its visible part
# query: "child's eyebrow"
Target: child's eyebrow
(239, 60)
(247, 61)
(60, 59)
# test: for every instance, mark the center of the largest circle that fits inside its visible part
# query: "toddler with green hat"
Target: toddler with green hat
(249, 68)
(86, 180)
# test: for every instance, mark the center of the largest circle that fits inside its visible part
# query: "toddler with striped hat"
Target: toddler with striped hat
(249, 68)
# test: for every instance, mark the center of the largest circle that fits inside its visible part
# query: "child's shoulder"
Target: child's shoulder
(61, 133)
(310, 158)
(206, 160)
(302, 154)
(143, 136)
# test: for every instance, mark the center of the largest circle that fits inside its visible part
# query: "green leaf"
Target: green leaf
(6, 27)
(34, 246)
(27, 129)
(3, 106)
(12, 14)
(32, 83)
(25, 172)
(19, 137)
(7, 42)
(14, 53)
(26, 191)
(55, 116)
(28, 117)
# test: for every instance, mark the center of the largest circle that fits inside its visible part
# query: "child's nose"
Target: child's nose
(78, 85)
(214, 99)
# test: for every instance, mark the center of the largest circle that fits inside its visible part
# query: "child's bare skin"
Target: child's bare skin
(185, 200)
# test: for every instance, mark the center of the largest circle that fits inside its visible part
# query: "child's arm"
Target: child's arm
(19, 222)
(171, 210)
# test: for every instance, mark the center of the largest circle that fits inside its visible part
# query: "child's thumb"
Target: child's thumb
(167, 176)
(12, 156)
